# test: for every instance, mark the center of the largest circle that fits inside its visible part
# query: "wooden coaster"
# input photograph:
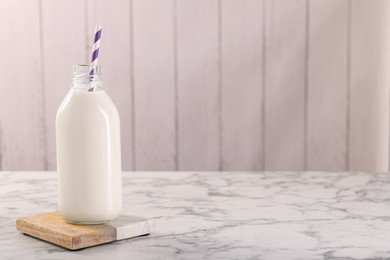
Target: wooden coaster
(51, 227)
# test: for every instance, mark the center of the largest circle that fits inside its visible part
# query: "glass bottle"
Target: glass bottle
(88, 151)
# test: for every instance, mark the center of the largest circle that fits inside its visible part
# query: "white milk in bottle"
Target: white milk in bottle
(88, 152)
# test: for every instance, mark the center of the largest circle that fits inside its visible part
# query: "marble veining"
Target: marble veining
(221, 215)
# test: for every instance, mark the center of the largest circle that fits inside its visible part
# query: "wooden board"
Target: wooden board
(21, 103)
(115, 59)
(197, 85)
(153, 68)
(241, 80)
(52, 228)
(327, 85)
(284, 95)
(369, 86)
(63, 41)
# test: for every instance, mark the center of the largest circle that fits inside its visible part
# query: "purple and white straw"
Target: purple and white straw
(95, 52)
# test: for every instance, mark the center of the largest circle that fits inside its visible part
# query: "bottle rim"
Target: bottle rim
(86, 76)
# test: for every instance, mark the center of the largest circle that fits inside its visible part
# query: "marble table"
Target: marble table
(221, 215)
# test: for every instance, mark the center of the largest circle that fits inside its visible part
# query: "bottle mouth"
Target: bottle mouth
(86, 76)
(86, 71)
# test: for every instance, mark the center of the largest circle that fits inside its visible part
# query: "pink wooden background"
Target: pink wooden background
(206, 84)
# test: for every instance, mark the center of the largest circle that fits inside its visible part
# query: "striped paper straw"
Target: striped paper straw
(95, 51)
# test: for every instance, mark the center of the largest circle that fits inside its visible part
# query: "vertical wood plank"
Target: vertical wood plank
(21, 102)
(198, 84)
(154, 84)
(369, 140)
(285, 85)
(242, 53)
(327, 85)
(114, 58)
(63, 45)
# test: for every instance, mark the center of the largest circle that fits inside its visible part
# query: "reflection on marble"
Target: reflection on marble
(220, 215)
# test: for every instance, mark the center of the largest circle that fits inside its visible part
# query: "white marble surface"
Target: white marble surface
(222, 216)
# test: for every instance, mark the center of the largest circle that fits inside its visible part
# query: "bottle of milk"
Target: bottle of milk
(88, 151)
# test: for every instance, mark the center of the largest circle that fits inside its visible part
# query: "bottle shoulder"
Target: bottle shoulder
(83, 103)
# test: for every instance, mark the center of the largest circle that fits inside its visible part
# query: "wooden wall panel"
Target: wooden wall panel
(242, 84)
(154, 86)
(285, 85)
(327, 85)
(197, 84)
(21, 89)
(64, 44)
(369, 140)
(115, 60)
(206, 84)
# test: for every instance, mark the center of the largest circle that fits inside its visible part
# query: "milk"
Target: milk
(88, 157)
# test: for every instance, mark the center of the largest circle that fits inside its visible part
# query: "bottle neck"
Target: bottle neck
(86, 77)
